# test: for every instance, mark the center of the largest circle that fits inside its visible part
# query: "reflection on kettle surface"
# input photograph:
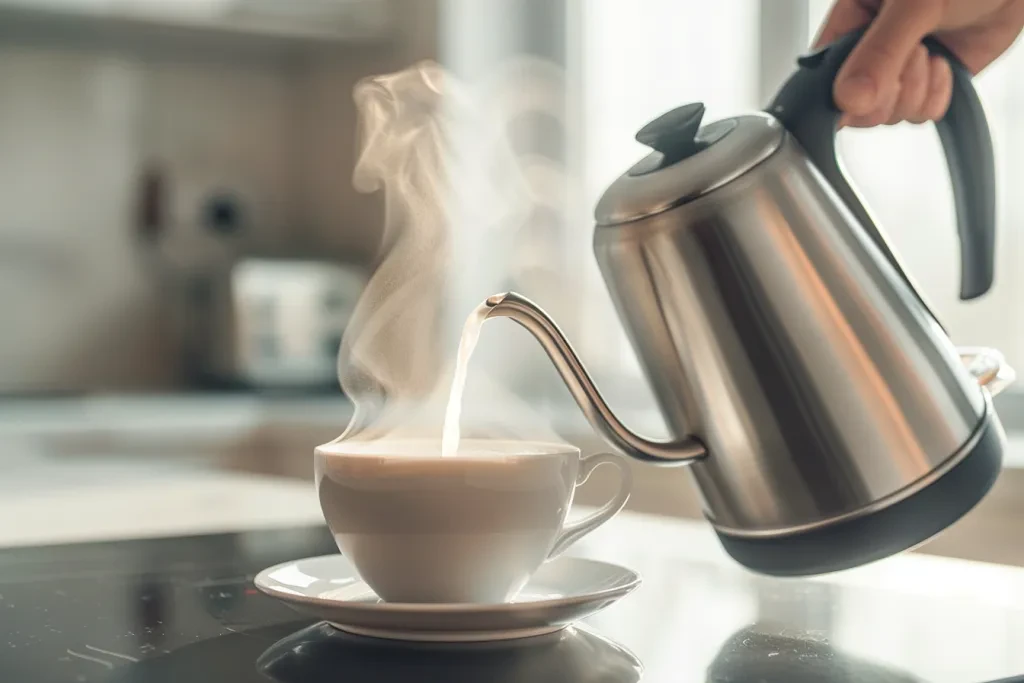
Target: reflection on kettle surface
(770, 654)
(323, 653)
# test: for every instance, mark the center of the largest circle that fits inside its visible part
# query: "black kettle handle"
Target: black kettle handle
(805, 106)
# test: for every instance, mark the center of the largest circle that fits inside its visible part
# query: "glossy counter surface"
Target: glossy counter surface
(183, 609)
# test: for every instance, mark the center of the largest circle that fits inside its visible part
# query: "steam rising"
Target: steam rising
(436, 153)
(390, 349)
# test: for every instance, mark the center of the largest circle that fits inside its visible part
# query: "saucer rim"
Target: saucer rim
(631, 581)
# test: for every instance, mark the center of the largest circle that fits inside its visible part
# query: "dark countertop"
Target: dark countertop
(183, 609)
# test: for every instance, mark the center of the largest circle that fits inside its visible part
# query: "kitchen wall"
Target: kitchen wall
(89, 111)
(68, 127)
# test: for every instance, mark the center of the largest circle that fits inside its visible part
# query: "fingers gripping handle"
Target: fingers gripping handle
(577, 530)
(805, 106)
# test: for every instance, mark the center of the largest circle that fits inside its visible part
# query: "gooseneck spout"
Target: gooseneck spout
(589, 399)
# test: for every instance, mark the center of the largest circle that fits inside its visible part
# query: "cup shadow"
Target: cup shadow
(321, 653)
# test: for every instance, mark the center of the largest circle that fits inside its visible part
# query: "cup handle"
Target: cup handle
(577, 530)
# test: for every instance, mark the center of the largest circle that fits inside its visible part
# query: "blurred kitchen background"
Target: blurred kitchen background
(181, 244)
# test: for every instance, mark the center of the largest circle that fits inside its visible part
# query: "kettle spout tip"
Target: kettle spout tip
(496, 299)
(496, 304)
(517, 307)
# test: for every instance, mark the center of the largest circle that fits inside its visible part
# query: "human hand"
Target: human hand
(890, 77)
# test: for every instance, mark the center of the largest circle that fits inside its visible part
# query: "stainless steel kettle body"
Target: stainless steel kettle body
(828, 418)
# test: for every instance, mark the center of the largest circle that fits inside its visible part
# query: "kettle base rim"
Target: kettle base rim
(903, 525)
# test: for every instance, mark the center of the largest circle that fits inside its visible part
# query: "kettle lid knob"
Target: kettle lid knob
(689, 159)
(674, 133)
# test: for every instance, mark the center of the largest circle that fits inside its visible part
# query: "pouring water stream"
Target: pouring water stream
(470, 336)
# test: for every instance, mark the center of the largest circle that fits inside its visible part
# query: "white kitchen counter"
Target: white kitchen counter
(155, 505)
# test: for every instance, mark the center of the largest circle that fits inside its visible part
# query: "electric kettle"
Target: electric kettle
(828, 418)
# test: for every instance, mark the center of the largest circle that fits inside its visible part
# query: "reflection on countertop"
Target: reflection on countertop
(764, 652)
(770, 653)
(317, 653)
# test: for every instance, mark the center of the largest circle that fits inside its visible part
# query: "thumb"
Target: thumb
(873, 69)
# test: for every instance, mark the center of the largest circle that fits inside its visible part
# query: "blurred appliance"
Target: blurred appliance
(268, 323)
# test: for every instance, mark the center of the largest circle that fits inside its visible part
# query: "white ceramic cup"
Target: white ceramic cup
(466, 529)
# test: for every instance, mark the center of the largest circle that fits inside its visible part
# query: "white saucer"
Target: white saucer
(562, 591)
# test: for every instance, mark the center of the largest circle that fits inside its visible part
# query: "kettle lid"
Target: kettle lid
(687, 161)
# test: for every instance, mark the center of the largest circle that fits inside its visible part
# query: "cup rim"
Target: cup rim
(349, 449)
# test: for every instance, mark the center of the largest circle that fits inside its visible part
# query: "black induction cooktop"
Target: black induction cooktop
(185, 610)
